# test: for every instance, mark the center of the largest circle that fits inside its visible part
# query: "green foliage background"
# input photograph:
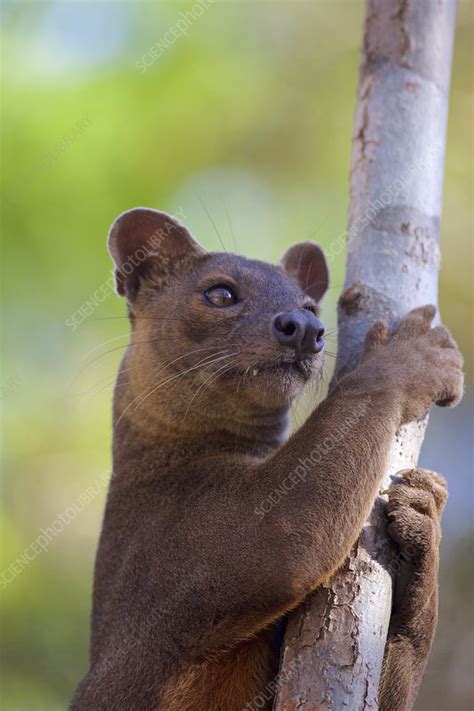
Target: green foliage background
(249, 112)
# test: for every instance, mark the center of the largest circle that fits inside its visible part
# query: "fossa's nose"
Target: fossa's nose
(300, 330)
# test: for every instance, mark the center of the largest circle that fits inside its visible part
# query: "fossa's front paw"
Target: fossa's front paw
(420, 364)
(415, 503)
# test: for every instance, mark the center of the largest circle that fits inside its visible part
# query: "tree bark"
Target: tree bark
(334, 643)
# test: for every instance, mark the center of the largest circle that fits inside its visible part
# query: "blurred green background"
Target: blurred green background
(248, 110)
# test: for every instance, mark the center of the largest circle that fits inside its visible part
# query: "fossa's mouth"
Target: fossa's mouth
(302, 368)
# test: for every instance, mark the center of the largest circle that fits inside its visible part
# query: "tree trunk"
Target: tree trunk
(334, 643)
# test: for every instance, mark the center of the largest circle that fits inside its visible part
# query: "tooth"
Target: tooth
(255, 371)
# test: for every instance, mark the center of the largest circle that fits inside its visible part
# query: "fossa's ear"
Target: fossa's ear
(148, 243)
(306, 264)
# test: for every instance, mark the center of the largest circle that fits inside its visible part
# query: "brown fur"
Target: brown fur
(414, 511)
(191, 572)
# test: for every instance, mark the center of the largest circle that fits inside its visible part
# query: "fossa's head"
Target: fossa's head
(215, 330)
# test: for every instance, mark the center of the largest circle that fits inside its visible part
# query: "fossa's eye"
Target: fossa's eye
(220, 296)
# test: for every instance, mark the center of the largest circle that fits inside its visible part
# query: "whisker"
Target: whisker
(295, 418)
(111, 378)
(141, 318)
(168, 364)
(215, 373)
(212, 222)
(231, 228)
(111, 350)
(115, 338)
(120, 348)
(128, 345)
(163, 366)
(333, 286)
(158, 368)
(318, 227)
(244, 374)
(174, 377)
(164, 382)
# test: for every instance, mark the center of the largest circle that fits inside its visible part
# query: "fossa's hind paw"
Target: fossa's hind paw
(415, 503)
